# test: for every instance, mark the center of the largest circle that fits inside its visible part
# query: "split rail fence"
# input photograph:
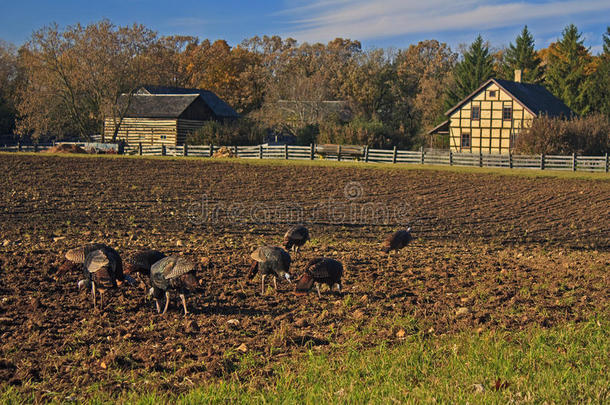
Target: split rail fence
(541, 162)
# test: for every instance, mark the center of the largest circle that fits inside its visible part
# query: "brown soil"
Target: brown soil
(490, 252)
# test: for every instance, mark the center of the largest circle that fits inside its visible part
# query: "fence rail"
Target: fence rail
(311, 152)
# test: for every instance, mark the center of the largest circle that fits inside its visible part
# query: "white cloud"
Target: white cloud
(370, 19)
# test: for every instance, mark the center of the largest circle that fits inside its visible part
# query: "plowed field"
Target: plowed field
(491, 251)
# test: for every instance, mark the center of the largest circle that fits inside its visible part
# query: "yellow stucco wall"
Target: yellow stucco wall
(490, 133)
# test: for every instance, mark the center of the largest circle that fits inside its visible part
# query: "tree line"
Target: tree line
(63, 82)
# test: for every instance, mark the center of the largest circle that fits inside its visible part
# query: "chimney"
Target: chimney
(518, 75)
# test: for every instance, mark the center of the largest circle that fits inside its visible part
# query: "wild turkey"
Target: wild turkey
(139, 264)
(75, 258)
(172, 273)
(396, 241)
(321, 270)
(102, 269)
(79, 254)
(296, 237)
(270, 260)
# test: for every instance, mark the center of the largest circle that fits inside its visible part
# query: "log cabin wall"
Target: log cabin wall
(185, 127)
(148, 131)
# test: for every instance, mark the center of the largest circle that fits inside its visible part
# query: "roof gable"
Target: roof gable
(533, 97)
(157, 106)
(220, 108)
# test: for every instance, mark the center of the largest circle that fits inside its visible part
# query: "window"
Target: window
(476, 112)
(162, 136)
(492, 94)
(507, 113)
(465, 140)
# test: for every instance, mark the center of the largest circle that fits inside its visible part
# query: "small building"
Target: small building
(165, 115)
(490, 119)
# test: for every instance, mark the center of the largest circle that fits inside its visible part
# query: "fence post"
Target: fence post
(480, 158)
(395, 154)
(235, 150)
(211, 150)
(339, 154)
(121, 148)
(312, 151)
(163, 150)
(19, 146)
(366, 153)
(450, 157)
(606, 162)
(542, 161)
(286, 151)
(140, 148)
(36, 150)
(185, 149)
(421, 151)
(260, 151)
(510, 160)
(573, 162)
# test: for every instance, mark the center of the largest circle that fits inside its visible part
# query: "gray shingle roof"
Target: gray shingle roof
(536, 98)
(162, 106)
(216, 104)
(533, 97)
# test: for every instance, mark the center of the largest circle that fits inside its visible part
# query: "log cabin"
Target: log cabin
(156, 115)
(490, 119)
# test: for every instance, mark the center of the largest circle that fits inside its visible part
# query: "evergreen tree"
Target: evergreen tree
(473, 70)
(523, 56)
(569, 68)
(601, 89)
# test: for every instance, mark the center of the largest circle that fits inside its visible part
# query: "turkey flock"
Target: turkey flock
(103, 268)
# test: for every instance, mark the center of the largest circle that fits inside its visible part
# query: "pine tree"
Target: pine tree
(569, 71)
(523, 56)
(601, 88)
(473, 70)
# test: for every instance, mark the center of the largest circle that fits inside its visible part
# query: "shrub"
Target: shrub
(240, 132)
(588, 135)
(363, 132)
(308, 134)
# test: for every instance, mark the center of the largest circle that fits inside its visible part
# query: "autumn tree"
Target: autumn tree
(522, 55)
(166, 55)
(569, 69)
(423, 74)
(303, 82)
(8, 77)
(367, 84)
(76, 76)
(475, 67)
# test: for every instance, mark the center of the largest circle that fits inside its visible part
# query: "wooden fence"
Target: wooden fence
(311, 152)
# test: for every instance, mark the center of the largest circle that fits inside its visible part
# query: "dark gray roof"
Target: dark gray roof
(162, 106)
(442, 128)
(534, 97)
(216, 104)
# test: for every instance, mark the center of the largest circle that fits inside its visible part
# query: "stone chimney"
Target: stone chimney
(518, 75)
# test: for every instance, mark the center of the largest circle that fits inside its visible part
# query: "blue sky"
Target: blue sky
(376, 23)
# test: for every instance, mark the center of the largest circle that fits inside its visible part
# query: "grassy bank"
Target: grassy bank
(566, 364)
(344, 164)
